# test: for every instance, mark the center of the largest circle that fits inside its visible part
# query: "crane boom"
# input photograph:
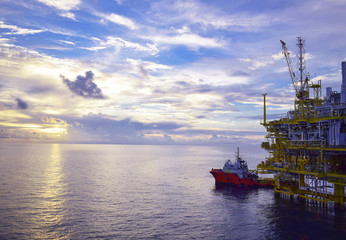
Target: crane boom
(290, 68)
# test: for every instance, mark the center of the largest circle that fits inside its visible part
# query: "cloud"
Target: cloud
(203, 16)
(119, 43)
(21, 104)
(143, 68)
(218, 87)
(103, 128)
(18, 30)
(260, 117)
(118, 19)
(119, 2)
(53, 120)
(100, 128)
(64, 6)
(84, 86)
(67, 42)
(240, 73)
(193, 41)
(264, 61)
(213, 71)
(68, 15)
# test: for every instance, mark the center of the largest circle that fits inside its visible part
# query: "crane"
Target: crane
(300, 85)
(290, 68)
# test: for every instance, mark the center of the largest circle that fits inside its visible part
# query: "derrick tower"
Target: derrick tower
(307, 148)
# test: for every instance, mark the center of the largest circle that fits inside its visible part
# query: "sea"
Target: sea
(95, 191)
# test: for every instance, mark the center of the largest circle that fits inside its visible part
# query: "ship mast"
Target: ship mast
(237, 156)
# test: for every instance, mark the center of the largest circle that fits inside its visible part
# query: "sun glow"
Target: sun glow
(19, 125)
(54, 130)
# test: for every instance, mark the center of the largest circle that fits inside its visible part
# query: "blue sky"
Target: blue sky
(157, 72)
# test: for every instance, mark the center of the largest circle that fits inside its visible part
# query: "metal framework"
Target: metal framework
(307, 147)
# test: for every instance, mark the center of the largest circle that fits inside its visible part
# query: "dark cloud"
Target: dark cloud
(260, 117)
(40, 89)
(191, 88)
(84, 86)
(229, 133)
(168, 138)
(21, 104)
(205, 89)
(240, 73)
(99, 128)
(182, 83)
(102, 128)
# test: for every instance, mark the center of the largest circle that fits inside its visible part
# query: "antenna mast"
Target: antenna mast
(300, 85)
(301, 64)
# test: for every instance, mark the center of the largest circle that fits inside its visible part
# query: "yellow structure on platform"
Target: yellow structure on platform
(308, 147)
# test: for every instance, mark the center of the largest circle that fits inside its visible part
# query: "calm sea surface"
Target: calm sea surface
(70, 191)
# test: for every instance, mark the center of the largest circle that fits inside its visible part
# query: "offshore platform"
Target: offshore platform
(307, 147)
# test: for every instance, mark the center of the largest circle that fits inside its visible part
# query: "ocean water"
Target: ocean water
(71, 191)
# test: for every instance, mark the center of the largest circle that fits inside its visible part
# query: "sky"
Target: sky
(158, 71)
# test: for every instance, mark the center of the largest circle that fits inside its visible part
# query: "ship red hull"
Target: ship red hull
(231, 178)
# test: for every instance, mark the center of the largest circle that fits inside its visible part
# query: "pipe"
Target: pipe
(343, 86)
(264, 109)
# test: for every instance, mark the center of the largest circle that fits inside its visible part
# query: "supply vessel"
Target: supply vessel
(237, 173)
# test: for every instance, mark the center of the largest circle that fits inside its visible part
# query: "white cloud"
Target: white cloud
(119, 43)
(118, 19)
(237, 22)
(64, 6)
(148, 65)
(67, 42)
(19, 31)
(261, 62)
(213, 72)
(184, 29)
(68, 15)
(119, 2)
(202, 100)
(190, 40)
(205, 15)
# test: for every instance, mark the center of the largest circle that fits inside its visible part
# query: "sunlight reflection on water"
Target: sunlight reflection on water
(50, 199)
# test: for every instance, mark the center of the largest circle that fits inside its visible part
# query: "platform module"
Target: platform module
(307, 147)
